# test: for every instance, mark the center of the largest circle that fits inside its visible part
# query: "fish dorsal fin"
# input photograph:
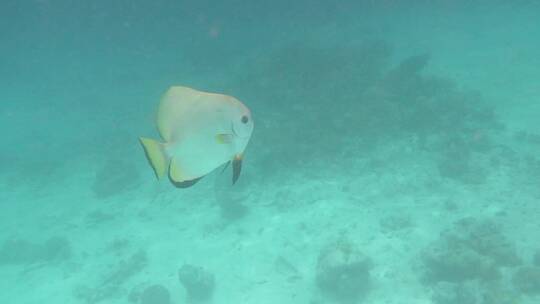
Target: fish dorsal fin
(172, 108)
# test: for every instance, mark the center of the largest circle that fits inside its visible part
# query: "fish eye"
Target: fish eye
(245, 119)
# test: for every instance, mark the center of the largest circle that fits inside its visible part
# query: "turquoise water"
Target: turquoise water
(395, 157)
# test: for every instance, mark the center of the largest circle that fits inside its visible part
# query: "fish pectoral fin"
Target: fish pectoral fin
(176, 176)
(237, 167)
(224, 138)
(155, 154)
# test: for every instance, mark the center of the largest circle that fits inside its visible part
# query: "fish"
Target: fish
(200, 131)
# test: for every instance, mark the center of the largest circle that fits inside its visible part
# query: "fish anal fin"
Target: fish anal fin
(177, 178)
(155, 155)
(185, 184)
(175, 171)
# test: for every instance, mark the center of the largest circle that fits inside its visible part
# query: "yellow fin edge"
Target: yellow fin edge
(155, 155)
(175, 173)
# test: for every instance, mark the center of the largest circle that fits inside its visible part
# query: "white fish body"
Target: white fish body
(202, 131)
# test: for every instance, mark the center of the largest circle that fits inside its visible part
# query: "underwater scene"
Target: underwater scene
(263, 152)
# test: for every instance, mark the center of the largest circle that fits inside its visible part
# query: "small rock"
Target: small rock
(155, 294)
(343, 272)
(536, 258)
(56, 249)
(450, 293)
(395, 223)
(527, 280)
(198, 283)
(286, 269)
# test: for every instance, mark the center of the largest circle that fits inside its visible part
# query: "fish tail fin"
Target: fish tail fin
(155, 153)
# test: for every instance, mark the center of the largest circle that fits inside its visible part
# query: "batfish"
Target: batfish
(200, 132)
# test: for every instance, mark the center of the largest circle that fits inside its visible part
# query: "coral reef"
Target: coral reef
(536, 258)
(127, 268)
(451, 293)
(374, 103)
(199, 283)
(527, 280)
(469, 263)
(343, 272)
(231, 201)
(98, 217)
(395, 223)
(474, 292)
(110, 285)
(458, 162)
(17, 251)
(155, 294)
(447, 262)
(472, 249)
(286, 269)
(486, 238)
